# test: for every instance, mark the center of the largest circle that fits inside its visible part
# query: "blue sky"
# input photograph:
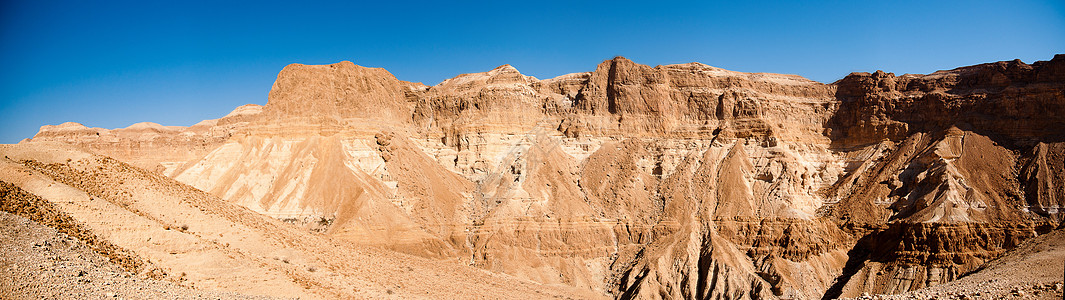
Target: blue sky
(113, 64)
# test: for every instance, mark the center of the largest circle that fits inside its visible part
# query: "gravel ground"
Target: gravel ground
(38, 262)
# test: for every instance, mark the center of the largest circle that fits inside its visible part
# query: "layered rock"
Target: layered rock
(676, 181)
(332, 93)
(943, 170)
(150, 145)
(1014, 102)
(166, 230)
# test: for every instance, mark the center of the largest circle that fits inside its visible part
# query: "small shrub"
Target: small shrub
(322, 221)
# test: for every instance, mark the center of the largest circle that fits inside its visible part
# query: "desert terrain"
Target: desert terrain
(681, 181)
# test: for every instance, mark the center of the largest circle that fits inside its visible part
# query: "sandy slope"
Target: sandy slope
(37, 262)
(185, 235)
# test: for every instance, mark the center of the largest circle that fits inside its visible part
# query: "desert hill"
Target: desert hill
(165, 230)
(632, 181)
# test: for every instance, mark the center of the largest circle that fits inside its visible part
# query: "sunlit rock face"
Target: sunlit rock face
(676, 181)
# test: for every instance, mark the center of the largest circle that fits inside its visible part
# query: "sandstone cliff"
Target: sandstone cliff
(676, 181)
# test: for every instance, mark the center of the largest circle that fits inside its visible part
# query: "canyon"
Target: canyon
(680, 181)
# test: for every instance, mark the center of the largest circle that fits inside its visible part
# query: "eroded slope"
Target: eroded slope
(677, 181)
(189, 237)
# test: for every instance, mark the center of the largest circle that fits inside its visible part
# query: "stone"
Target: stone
(644, 181)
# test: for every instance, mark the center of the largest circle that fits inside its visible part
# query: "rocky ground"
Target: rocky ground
(38, 262)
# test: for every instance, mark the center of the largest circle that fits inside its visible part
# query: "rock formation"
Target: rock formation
(631, 181)
(152, 146)
(180, 234)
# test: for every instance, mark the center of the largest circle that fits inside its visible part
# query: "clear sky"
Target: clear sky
(178, 62)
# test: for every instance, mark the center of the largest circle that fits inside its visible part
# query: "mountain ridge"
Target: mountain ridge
(677, 181)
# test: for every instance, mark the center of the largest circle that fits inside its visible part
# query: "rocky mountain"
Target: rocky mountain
(631, 181)
(166, 232)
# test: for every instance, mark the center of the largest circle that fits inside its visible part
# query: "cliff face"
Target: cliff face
(953, 176)
(677, 181)
(332, 93)
(695, 100)
(1014, 102)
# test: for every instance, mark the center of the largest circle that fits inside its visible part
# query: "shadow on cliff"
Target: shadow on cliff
(1015, 104)
(857, 257)
(959, 248)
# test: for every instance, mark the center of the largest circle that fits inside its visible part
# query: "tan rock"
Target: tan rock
(676, 181)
